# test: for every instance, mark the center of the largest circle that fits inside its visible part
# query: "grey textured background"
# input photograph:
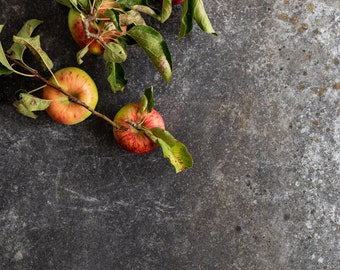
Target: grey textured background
(258, 108)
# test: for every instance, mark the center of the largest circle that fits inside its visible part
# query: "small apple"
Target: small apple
(94, 31)
(131, 136)
(77, 83)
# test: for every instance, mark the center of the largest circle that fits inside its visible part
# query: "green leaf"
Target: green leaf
(131, 17)
(187, 19)
(34, 103)
(5, 67)
(147, 100)
(81, 53)
(141, 6)
(67, 3)
(33, 43)
(114, 17)
(202, 18)
(74, 3)
(174, 150)
(129, 3)
(17, 49)
(155, 47)
(28, 103)
(97, 3)
(193, 10)
(166, 10)
(147, 10)
(116, 76)
(4, 70)
(85, 4)
(23, 110)
(114, 52)
(164, 136)
(29, 27)
(126, 41)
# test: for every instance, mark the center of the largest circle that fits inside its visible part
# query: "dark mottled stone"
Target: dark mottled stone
(264, 189)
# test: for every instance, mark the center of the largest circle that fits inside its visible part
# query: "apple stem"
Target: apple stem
(133, 124)
(146, 130)
(73, 99)
(86, 20)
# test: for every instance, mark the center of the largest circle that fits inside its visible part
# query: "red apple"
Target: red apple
(131, 136)
(99, 30)
(77, 83)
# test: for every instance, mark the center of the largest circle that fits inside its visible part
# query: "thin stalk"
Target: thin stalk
(36, 89)
(21, 73)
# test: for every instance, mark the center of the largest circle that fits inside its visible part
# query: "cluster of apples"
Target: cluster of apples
(99, 30)
(108, 27)
(95, 34)
(131, 122)
(104, 27)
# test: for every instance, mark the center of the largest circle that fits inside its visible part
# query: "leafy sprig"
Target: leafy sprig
(130, 13)
(174, 150)
(115, 53)
(13, 60)
(193, 11)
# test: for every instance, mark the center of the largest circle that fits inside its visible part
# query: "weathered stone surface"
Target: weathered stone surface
(258, 108)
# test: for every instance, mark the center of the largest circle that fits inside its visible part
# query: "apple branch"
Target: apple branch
(73, 99)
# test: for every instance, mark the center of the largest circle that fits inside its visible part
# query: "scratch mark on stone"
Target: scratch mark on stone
(81, 196)
(163, 207)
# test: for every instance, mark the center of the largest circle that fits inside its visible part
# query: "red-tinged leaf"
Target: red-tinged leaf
(17, 49)
(174, 150)
(155, 47)
(114, 52)
(33, 44)
(28, 103)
